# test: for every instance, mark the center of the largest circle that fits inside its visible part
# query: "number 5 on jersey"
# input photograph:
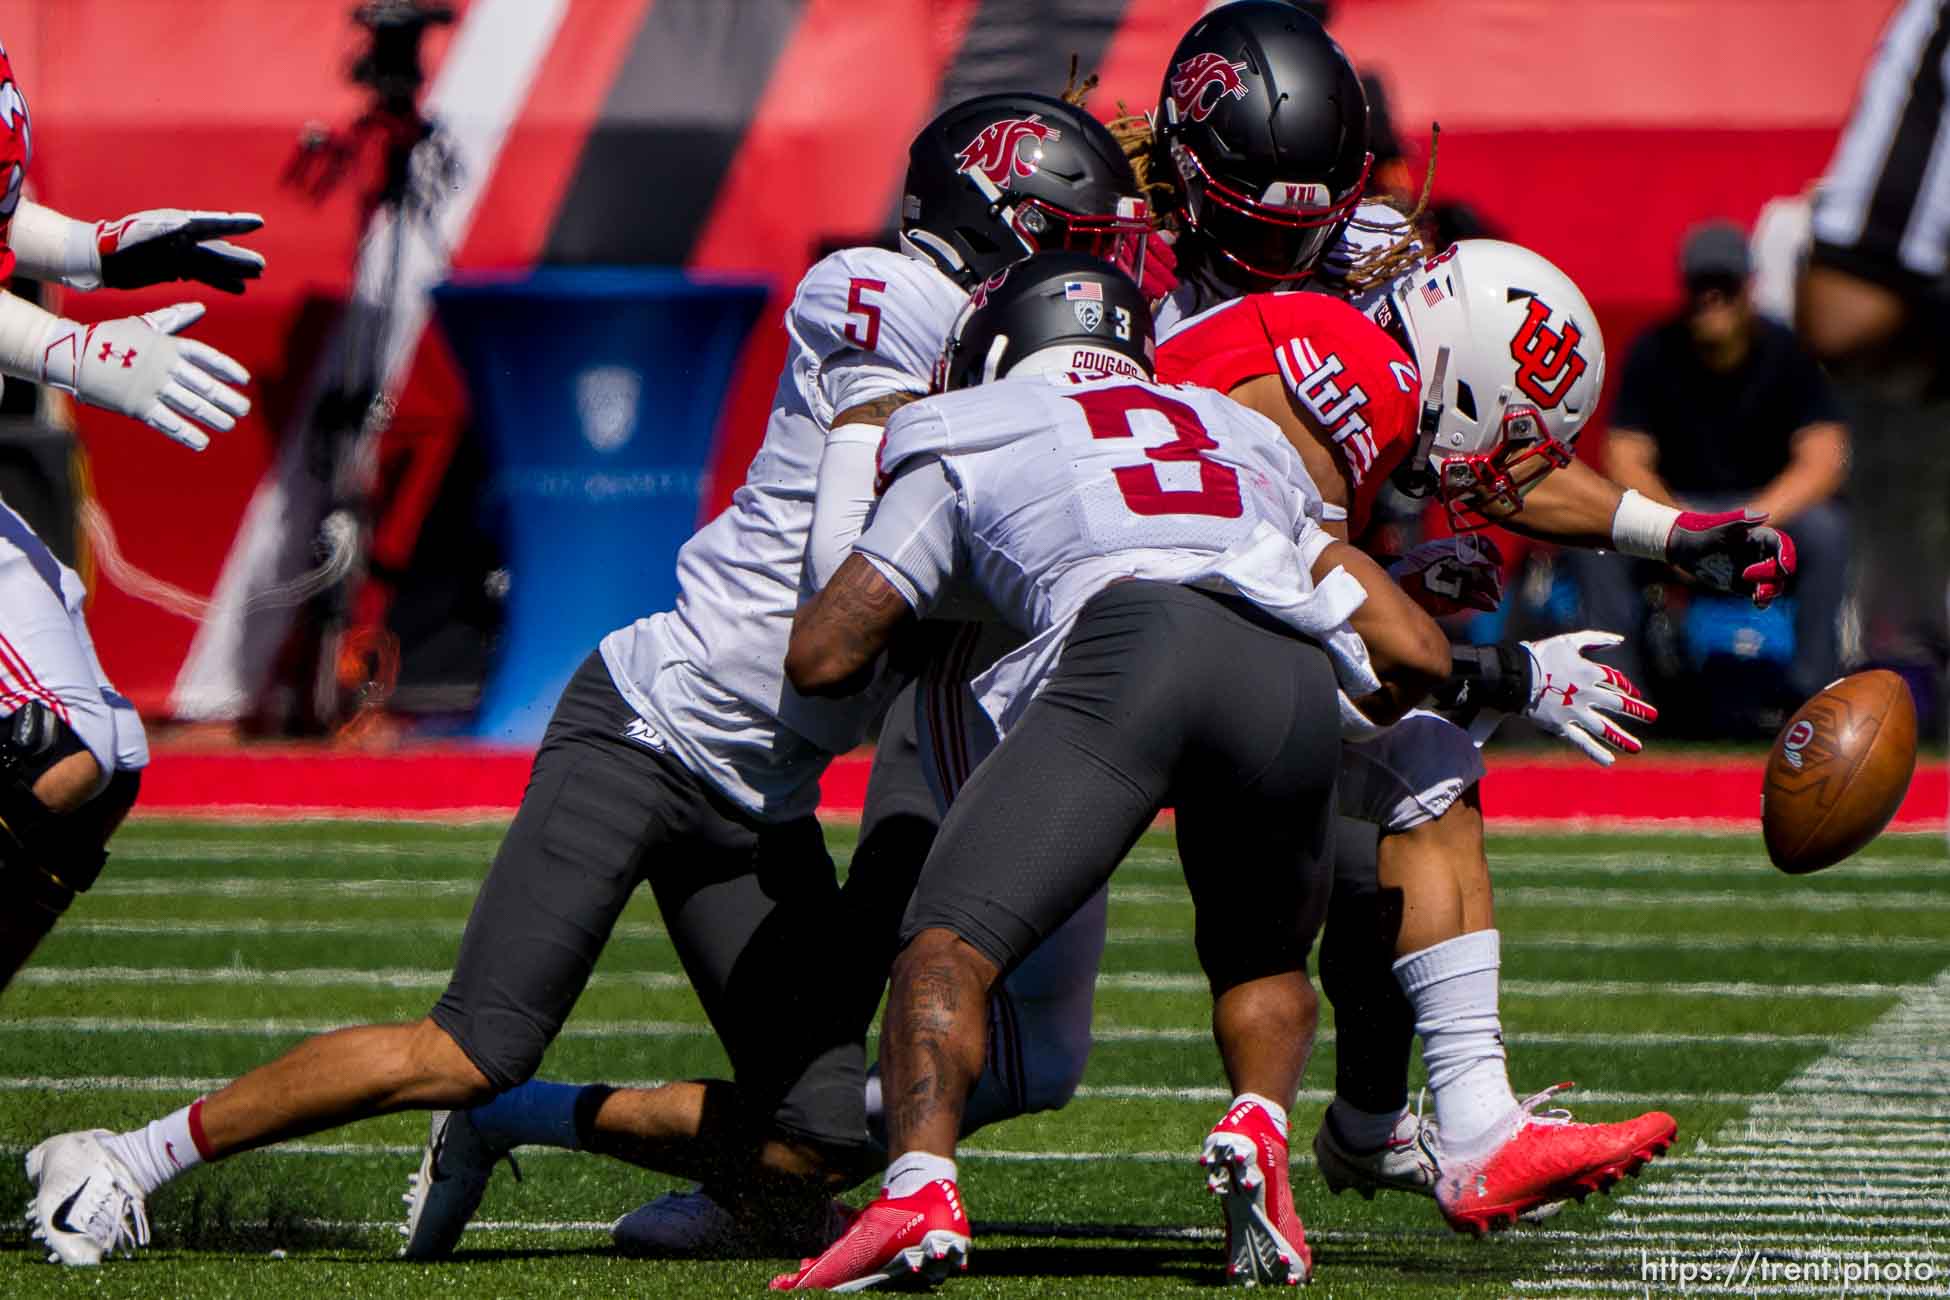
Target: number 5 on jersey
(865, 337)
(1109, 412)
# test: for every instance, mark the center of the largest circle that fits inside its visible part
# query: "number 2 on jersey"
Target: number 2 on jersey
(1109, 413)
(867, 337)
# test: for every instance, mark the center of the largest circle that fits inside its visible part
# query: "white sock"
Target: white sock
(161, 1149)
(1453, 988)
(911, 1172)
(1364, 1130)
(1267, 1104)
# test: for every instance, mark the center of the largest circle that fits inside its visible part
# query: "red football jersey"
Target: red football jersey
(16, 147)
(1349, 373)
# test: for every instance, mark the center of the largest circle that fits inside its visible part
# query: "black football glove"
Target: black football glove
(1732, 551)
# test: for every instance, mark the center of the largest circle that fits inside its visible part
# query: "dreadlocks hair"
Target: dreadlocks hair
(1132, 131)
(1134, 135)
(1076, 92)
(1379, 265)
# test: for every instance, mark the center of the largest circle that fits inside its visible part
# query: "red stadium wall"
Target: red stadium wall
(1594, 132)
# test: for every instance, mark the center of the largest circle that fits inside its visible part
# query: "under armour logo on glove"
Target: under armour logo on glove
(1560, 672)
(1567, 692)
(172, 385)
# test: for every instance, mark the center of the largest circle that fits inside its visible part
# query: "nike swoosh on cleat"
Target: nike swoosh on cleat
(60, 1220)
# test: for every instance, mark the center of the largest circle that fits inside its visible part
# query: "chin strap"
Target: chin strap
(1415, 477)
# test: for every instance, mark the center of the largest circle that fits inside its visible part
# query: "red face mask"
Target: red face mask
(1277, 236)
(1119, 238)
(1484, 488)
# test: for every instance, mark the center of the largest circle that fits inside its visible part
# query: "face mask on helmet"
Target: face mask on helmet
(1480, 489)
(1277, 235)
(1116, 237)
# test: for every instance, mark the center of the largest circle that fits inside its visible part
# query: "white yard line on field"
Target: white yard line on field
(306, 977)
(1129, 981)
(189, 927)
(275, 1028)
(1169, 982)
(171, 927)
(214, 1026)
(1764, 894)
(1088, 1092)
(1849, 1147)
(281, 887)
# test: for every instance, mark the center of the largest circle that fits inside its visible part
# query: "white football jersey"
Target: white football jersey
(709, 676)
(1053, 490)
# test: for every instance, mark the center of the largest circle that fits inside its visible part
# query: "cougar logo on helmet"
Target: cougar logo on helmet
(978, 297)
(997, 151)
(1191, 79)
(1548, 364)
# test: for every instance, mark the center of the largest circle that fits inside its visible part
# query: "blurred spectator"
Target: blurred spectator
(1874, 306)
(1721, 409)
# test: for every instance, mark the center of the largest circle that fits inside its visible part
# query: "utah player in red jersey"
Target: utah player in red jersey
(1259, 153)
(1452, 393)
(72, 748)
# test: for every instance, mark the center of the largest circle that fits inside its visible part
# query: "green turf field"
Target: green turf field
(1799, 1029)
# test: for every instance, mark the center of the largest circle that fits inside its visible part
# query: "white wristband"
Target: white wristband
(1641, 526)
(37, 345)
(49, 246)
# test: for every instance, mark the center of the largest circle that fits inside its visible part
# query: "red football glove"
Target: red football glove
(1160, 267)
(1732, 552)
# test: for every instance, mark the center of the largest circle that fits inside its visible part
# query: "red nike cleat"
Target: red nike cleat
(921, 1236)
(1545, 1158)
(1245, 1162)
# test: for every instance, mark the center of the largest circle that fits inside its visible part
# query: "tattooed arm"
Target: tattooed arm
(875, 412)
(839, 633)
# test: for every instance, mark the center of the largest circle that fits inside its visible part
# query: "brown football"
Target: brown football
(1838, 771)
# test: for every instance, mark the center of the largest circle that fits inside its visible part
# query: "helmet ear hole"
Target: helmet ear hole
(1465, 401)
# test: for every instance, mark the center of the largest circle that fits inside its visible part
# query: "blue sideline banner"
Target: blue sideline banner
(597, 391)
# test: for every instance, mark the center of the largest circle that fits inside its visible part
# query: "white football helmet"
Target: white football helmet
(1512, 365)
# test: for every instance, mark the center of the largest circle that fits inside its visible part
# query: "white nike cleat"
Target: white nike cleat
(694, 1224)
(446, 1191)
(1406, 1162)
(86, 1203)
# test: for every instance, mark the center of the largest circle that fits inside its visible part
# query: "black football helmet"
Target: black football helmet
(1088, 314)
(998, 177)
(1264, 121)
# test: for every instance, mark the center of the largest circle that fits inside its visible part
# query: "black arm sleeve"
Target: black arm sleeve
(1483, 677)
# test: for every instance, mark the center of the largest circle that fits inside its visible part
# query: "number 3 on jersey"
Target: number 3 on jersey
(1109, 412)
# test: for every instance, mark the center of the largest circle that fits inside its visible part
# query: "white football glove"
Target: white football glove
(1376, 227)
(131, 365)
(166, 244)
(1570, 694)
(1452, 574)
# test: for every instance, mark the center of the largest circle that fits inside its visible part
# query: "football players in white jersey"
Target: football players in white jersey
(678, 756)
(71, 747)
(1186, 623)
